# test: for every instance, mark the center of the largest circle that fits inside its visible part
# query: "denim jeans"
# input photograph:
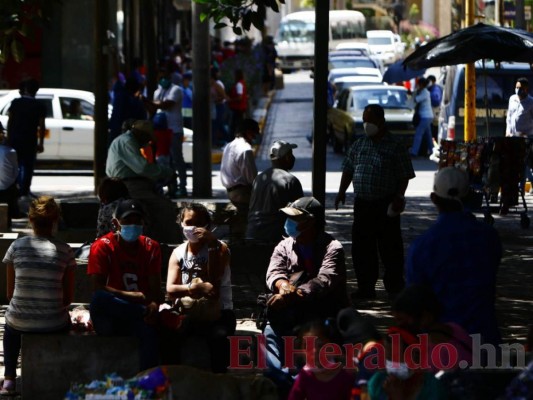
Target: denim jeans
(112, 315)
(423, 131)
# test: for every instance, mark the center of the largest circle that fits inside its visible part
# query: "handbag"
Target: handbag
(416, 116)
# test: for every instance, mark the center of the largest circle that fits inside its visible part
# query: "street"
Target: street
(289, 118)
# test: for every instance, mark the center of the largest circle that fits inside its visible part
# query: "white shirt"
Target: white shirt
(9, 168)
(174, 118)
(238, 164)
(520, 116)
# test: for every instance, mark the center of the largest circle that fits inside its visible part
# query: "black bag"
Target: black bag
(416, 116)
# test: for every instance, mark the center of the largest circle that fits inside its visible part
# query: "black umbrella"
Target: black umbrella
(397, 72)
(474, 43)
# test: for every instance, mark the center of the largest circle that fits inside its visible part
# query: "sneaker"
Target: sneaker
(8, 388)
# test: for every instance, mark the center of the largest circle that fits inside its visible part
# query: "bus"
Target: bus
(377, 17)
(295, 39)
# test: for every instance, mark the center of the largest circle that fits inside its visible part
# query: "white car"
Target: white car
(66, 138)
(356, 80)
(336, 73)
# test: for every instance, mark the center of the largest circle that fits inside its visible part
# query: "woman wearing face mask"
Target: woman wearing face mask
(41, 268)
(125, 268)
(200, 268)
(404, 379)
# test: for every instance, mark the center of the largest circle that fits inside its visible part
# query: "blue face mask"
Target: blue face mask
(130, 233)
(291, 228)
(164, 83)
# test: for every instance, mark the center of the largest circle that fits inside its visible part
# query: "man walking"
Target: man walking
(26, 130)
(9, 171)
(272, 190)
(380, 168)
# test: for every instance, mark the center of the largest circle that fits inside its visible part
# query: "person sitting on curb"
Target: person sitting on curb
(307, 278)
(40, 284)
(200, 269)
(125, 269)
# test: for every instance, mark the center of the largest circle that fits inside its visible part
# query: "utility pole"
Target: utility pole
(101, 59)
(201, 115)
(470, 83)
(320, 100)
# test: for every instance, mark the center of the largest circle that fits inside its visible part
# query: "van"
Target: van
(386, 45)
(497, 81)
(295, 39)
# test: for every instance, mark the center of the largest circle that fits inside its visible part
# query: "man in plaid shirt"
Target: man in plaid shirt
(380, 168)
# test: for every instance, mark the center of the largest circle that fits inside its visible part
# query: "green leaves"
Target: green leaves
(242, 14)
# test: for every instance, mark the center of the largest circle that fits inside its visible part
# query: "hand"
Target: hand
(398, 204)
(202, 289)
(286, 288)
(150, 315)
(205, 235)
(137, 297)
(341, 198)
(277, 301)
(40, 148)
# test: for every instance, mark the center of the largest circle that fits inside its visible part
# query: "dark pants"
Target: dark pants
(26, 170)
(12, 345)
(10, 196)
(114, 316)
(178, 163)
(376, 235)
(215, 333)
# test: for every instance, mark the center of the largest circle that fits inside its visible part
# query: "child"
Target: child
(316, 381)
(40, 284)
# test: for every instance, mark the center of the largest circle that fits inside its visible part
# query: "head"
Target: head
(214, 72)
(314, 336)
(132, 85)
(28, 87)
(187, 77)
(416, 308)
(522, 88)
(431, 80)
(399, 362)
(248, 129)
(374, 121)
(44, 214)
(192, 216)
(450, 187)
(127, 125)
(111, 189)
(129, 220)
(422, 83)
(165, 78)
(305, 219)
(356, 328)
(143, 131)
(74, 107)
(281, 155)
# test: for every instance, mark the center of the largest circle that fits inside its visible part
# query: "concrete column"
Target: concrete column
(445, 17)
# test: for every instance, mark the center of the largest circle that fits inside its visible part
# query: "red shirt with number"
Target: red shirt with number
(125, 269)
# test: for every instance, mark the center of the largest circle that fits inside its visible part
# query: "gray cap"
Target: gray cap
(280, 149)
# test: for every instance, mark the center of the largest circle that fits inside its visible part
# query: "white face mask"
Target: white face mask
(370, 129)
(188, 232)
(398, 369)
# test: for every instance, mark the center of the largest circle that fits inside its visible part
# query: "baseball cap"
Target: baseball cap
(304, 206)
(280, 149)
(451, 183)
(129, 207)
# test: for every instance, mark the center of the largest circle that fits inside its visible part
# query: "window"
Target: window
(74, 108)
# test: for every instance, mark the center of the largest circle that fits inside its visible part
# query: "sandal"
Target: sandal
(8, 388)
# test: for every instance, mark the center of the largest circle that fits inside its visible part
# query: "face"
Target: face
(250, 136)
(191, 218)
(520, 90)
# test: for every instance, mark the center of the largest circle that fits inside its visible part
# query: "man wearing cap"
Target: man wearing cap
(307, 278)
(125, 161)
(380, 168)
(238, 171)
(458, 257)
(125, 268)
(273, 189)
(9, 171)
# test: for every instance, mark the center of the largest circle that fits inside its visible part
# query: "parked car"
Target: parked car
(352, 62)
(356, 80)
(68, 138)
(345, 119)
(386, 45)
(358, 71)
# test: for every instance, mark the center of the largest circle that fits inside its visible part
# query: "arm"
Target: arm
(346, 179)
(508, 118)
(42, 133)
(175, 287)
(10, 279)
(249, 169)
(99, 282)
(398, 203)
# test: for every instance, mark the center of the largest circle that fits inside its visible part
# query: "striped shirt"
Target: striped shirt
(378, 167)
(40, 264)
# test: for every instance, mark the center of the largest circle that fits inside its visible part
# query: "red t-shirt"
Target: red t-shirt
(125, 270)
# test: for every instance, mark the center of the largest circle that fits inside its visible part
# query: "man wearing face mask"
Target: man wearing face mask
(380, 168)
(124, 161)
(273, 189)
(520, 118)
(168, 99)
(125, 268)
(307, 278)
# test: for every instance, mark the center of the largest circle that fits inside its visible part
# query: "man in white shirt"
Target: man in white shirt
(9, 171)
(238, 171)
